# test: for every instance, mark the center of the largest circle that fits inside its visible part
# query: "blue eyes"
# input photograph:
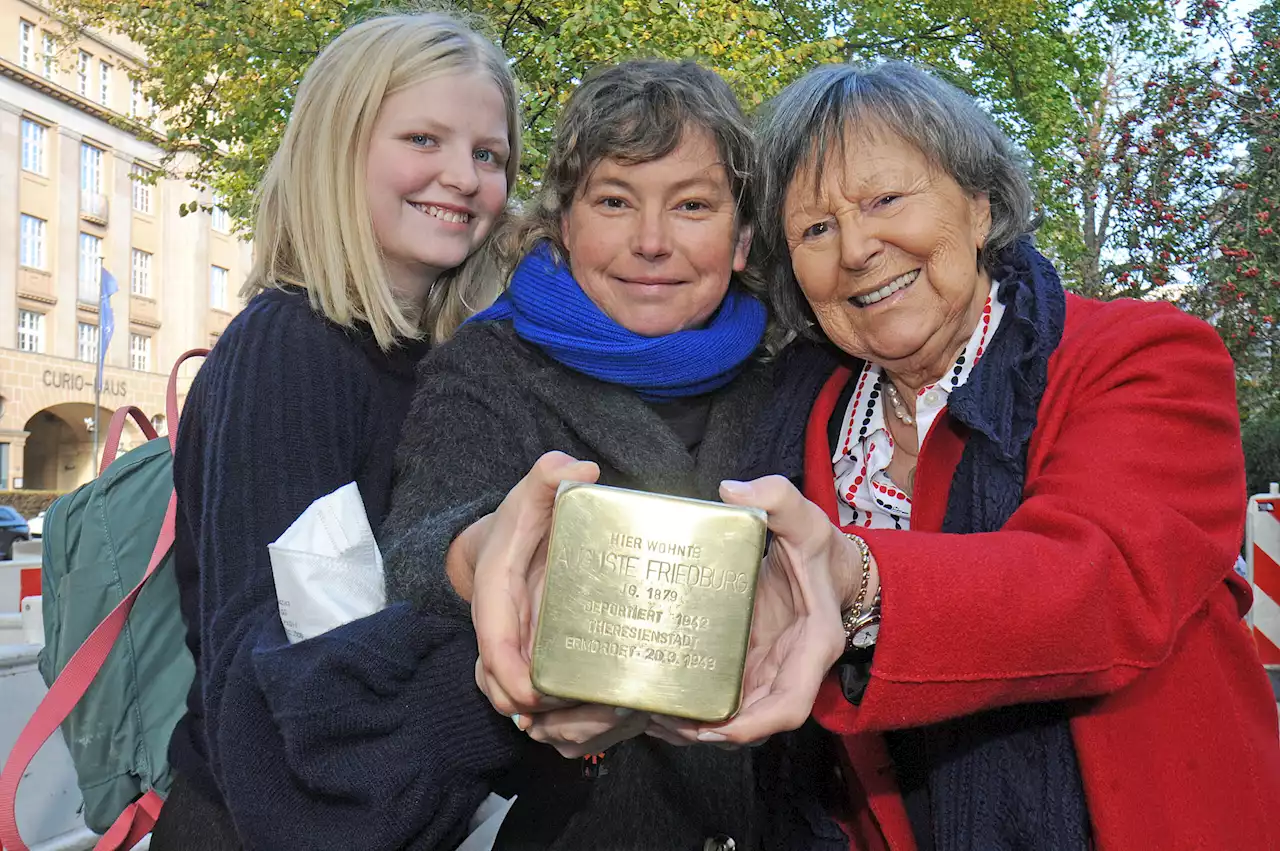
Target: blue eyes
(424, 140)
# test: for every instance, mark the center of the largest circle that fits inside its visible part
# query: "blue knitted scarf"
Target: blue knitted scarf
(548, 309)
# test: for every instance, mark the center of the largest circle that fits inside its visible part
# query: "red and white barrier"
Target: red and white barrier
(1262, 555)
(20, 594)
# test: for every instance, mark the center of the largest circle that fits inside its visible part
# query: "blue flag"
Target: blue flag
(107, 323)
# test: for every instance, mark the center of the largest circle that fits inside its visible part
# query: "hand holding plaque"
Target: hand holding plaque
(507, 581)
(796, 635)
(648, 602)
(810, 571)
(503, 559)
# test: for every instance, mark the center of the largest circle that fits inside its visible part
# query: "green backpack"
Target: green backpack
(118, 680)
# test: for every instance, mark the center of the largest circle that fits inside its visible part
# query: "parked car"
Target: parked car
(13, 527)
(36, 525)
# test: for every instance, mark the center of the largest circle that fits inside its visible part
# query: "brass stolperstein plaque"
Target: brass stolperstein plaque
(648, 601)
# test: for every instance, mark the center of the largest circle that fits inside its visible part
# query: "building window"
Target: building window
(140, 352)
(140, 279)
(31, 242)
(87, 342)
(90, 170)
(142, 189)
(26, 42)
(30, 331)
(104, 83)
(82, 73)
(93, 203)
(90, 267)
(135, 99)
(50, 51)
(33, 139)
(218, 287)
(221, 219)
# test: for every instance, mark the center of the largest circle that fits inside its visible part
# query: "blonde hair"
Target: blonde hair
(313, 227)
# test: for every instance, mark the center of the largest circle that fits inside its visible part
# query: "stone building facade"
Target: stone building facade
(77, 196)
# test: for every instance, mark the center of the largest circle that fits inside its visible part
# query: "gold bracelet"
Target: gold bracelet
(865, 552)
(861, 628)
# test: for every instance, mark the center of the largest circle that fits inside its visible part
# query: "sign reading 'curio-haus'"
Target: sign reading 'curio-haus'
(77, 382)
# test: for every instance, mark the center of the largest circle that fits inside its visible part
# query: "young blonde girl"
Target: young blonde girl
(371, 242)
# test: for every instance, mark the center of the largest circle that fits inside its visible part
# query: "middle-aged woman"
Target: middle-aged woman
(1030, 503)
(626, 338)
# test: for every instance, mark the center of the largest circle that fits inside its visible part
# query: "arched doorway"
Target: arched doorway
(59, 451)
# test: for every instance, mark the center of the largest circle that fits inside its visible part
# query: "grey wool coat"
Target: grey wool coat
(488, 405)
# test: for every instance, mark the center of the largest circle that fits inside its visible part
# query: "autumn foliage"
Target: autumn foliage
(1150, 128)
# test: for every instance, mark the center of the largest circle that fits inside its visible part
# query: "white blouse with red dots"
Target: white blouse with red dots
(867, 496)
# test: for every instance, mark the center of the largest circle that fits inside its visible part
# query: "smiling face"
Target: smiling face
(435, 180)
(884, 248)
(654, 244)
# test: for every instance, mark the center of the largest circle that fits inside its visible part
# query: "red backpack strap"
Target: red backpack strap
(171, 395)
(134, 823)
(70, 686)
(116, 430)
(83, 667)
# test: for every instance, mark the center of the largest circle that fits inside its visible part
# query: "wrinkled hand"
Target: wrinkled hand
(796, 634)
(510, 569)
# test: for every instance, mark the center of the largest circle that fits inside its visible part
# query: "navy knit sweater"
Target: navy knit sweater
(372, 735)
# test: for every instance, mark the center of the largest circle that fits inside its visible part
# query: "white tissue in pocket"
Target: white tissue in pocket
(485, 824)
(327, 567)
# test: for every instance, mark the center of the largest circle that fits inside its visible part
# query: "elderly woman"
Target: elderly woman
(1025, 505)
(626, 338)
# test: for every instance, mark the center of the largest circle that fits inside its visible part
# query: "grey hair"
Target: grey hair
(820, 112)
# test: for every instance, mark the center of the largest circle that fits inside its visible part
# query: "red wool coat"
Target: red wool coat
(1111, 587)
